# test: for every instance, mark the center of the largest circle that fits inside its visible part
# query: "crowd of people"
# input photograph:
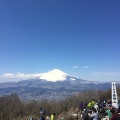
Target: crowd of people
(93, 110)
(102, 110)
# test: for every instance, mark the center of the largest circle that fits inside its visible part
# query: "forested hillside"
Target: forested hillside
(12, 108)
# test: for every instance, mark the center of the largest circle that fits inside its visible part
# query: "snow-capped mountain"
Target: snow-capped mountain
(54, 84)
(54, 75)
(58, 75)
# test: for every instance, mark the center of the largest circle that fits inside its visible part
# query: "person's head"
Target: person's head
(109, 107)
(94, 110)
(113, 111)
(84, 109)
(54, 113)
(41, 108)
(90, 111)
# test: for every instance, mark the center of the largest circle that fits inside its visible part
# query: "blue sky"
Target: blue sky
(81, 38)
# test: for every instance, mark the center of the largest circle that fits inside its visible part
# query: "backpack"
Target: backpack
(85, 115)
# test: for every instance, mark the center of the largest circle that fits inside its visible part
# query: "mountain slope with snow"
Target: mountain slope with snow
(54, 75)
(54, 84)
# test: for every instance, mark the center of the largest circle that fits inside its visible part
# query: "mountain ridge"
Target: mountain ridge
(42, 89)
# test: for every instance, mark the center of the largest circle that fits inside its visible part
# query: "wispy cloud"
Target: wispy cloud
(75, 76)
(20, 75)
(85, 67)
(106, 73)
(75, 67)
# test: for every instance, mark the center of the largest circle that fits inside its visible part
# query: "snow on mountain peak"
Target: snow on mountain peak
(54, 75)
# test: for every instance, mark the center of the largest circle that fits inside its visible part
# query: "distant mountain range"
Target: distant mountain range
(53, 85)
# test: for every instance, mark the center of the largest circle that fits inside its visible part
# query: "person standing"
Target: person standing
(94, 115)
(92, 103)
(85, 115)
(115, 115)
(109, 114)
(81, 105)
(52, 117)
(42, 114)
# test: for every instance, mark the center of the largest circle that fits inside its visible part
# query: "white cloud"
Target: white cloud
(85, 67)
(75, 76)
(106, 73)
(52, 75)
(8, 74)
(20, 75)
(72, 78)
(75, 67)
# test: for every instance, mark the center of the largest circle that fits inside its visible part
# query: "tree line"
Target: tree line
(13, 108)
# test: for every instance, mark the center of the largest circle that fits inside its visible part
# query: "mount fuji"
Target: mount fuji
(54, 75)
(57, 75)
(54, 84)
